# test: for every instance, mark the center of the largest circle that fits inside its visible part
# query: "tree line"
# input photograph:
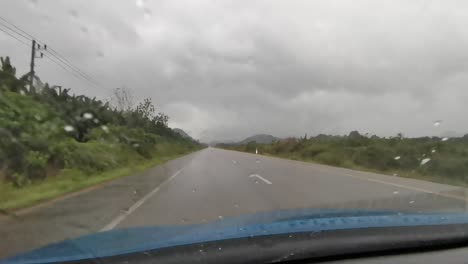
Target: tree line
(51, 129)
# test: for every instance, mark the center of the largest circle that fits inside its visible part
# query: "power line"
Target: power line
(11, 35)
(13, 25)
(77, 72)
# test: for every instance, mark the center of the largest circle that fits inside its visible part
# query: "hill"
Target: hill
(259, 139)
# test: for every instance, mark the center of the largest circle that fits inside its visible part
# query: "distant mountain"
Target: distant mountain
(182, 133)
(259, 139)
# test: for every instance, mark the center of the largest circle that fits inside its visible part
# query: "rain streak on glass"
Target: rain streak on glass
(437, 123)
(424, 161)
(68, 128)
(88, 116)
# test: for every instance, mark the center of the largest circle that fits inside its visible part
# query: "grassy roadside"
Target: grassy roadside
(69, 181)
(398, 173)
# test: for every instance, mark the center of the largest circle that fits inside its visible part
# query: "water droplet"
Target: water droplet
(397, 157)
(433, 151)
(424, 161)
(236, 205)
(200, 250)
(136, 145)
(139, 3)
(38, 117)
(220, 217)
(395, 192)
(33, 3)
(437, 123)
(105, 129)
(73, 13)
(147, 14)
(445, 139)
(220, 248)
(88, 116)
(96, 121)
(411, 202)
(290, 236)
(68, 128)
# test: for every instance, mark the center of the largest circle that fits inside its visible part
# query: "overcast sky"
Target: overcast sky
(224, 70)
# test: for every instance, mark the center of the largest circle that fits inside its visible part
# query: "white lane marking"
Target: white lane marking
(409, 187)
(261, 178)
(135, 206)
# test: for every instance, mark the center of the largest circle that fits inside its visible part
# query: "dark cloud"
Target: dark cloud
(229, 69)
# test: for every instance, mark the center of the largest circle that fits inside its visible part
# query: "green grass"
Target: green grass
(399, 173)
(69, 181)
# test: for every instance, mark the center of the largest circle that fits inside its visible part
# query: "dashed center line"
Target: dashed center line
(261, 178)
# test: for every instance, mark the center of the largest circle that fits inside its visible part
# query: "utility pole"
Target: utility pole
(34, 46)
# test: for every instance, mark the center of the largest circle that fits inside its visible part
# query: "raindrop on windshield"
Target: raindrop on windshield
(88, 116)
(445, 139)
(200, 250)
(424, 161)
(68, 128)
(437, 123)
(433, 151)
(395, 192)
(219, 248)
(33, 3)
(73, 13)
(220, 217)
(411, 202)
(105, 128)
(147, 14)
(397, 157)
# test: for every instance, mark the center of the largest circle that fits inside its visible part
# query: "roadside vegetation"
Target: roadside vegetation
(443, 160)
(53, 141)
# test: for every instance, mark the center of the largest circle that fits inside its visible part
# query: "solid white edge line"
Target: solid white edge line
(136, 205)
(408, 187)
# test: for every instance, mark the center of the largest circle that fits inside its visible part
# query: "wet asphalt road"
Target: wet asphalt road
(214, 184)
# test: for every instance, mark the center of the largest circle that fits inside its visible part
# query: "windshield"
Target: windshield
(152, 118)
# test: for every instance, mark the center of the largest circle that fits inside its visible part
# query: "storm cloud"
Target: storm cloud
(224, 70)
